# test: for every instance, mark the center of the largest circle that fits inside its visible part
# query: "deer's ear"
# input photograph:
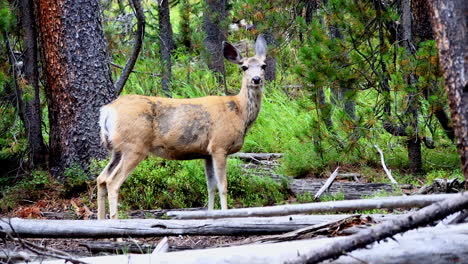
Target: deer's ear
(261, 47)
(231, 53)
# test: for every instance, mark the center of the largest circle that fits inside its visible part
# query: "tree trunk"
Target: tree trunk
(343, 91)
(78, 80)
(421, 25)
(214, 18)
(32, 107)
(270, 70)
(413, 141)
(185, 30)
(449, 24)
(166, 44)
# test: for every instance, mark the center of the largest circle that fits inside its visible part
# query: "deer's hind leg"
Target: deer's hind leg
(127, 164)
(108, 171)
(210, 182)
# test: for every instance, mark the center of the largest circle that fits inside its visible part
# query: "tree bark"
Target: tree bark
(214, 17)
(166, 44)
(32, 106)
(450, 27)
(413, 141)
(270, 70)
(343, 91)
(421, 25)
(185, 30)
(322, 207)
(78, 80)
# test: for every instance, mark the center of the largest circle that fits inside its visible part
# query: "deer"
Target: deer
(208, 128)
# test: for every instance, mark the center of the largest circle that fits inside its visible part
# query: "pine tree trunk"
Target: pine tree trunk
(215, 14)
(343, 91)
(32, 107)
(450, 28)
(270, 71)
(185, 30)
(78, 80)
(422, 31)
(166, 44)
(413, 141)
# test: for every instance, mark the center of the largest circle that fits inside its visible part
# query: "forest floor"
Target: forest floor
(76, 209)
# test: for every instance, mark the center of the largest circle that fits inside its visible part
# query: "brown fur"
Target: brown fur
(210, 128)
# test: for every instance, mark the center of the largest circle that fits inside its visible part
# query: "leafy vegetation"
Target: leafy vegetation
(306, 112)
(159, 183)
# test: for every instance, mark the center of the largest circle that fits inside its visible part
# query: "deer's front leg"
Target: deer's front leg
(219, 165)
(210, 182)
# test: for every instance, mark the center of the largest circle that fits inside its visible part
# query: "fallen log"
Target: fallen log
(442, 186)
(328, 229)
(446, 244)
(322, 207)
(425, 216)
(257, 156)
(35, 228)
(351, 190)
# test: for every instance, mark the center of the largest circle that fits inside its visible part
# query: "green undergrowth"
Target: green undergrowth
(31, 188)
(158, 183)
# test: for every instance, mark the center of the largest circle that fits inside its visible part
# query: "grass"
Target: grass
(158, 183)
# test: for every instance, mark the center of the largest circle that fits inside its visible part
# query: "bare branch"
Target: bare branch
(387, 171)
(327, 184)
(139, 35)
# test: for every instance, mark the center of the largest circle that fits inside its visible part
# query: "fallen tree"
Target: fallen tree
(425, 216)
(426, 245)
(322, 207)
(256, 156)
(34, 228)
(350, 190)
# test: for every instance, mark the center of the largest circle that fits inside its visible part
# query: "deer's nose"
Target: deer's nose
(256, 80)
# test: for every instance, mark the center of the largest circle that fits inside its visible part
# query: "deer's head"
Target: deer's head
(253, 67)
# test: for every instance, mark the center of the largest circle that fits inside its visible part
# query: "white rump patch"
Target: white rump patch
(107, 122)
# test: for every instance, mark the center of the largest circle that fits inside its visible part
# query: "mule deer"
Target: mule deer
(208, 128)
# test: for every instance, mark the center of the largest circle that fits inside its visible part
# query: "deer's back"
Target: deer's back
(178, 128)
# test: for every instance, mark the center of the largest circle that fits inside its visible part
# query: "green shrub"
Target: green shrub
(159, 183)
(76, 181)
(443, 174)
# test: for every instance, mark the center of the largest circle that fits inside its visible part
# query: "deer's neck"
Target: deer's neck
(250, 99)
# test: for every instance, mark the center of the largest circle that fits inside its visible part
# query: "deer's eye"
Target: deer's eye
(244, 68)
(263, 66)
